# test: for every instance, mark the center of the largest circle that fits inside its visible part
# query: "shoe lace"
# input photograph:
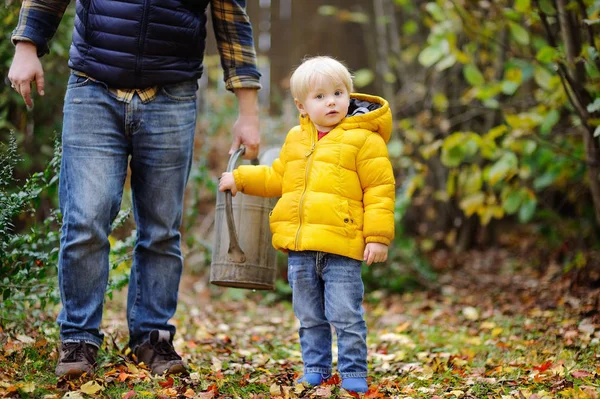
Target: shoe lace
(165, 350)
(77, 351)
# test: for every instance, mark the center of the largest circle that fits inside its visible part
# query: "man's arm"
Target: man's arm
(233, 33)
(38, 22)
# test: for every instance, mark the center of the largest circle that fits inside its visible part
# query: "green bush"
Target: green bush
(28, 259)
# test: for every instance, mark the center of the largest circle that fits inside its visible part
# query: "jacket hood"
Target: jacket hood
(378, 120)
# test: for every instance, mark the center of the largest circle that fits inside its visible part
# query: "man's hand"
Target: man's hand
(25, 69)
(246, 130)
(375, 252)
(227, 182)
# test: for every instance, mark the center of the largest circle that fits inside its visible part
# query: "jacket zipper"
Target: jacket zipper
(141, 41)
(308, 164)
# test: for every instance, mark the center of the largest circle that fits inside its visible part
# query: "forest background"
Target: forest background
(496, 142)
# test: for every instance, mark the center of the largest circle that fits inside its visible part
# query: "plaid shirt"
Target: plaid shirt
(39, 20)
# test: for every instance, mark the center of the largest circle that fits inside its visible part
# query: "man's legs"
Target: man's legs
(162, 133)
(93, 170)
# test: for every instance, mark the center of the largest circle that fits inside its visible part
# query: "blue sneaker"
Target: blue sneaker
(355, 384)
(313, 379)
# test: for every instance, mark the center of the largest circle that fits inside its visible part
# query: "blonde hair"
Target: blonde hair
(311, 69)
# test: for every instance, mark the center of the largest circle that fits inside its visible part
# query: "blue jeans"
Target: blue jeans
(101, 137)
(328, 290)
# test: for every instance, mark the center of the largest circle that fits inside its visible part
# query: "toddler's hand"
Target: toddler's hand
(375, 252)
(227, 182)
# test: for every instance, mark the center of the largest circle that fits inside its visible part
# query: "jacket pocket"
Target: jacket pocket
(349, 223)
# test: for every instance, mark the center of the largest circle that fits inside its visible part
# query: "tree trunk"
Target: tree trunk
(573, 81)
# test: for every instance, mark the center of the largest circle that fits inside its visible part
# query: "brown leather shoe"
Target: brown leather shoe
(159, 354)
(75, 359)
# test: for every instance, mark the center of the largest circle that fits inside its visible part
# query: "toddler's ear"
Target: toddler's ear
(300, 107)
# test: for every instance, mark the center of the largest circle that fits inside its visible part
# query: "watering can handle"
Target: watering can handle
(236, 254)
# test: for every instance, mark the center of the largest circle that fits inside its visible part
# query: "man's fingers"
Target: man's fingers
(251, 152)
(24, 89)
(235, 145)
(40, 83)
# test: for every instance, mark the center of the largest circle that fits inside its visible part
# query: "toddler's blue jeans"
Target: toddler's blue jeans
(103, 136)
(327, 290)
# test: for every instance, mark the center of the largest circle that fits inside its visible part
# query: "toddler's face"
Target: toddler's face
(326, 104)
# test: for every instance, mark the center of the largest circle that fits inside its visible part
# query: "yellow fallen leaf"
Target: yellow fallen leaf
(275, 390)
(470, 313)
(170, 392)
(217, 365)
(25, 339)
(91, 388)
(133, 369)
(73, 395)
(28, 387)
(487, 325)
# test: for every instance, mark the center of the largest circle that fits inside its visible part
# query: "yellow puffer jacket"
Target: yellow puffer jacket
(337, 193)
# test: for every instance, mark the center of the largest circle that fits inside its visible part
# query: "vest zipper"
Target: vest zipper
(141, 42)
(306, 174)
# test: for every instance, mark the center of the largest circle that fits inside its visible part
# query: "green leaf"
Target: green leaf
(545, 180)
(547, 54)
(473, 75)
(522, 5)
(446, 62)
(511, 201)
(509, 88)
(518, 33)
(503, 168)
(547, 7)
(458, 147)
(430, 55)
(543, 78)
(436, 11)
(597, 131)
(410, 28)
(527, 209)
(550, 120)
(327, 10)
(595, 106)
(363, 77)
(440, 102)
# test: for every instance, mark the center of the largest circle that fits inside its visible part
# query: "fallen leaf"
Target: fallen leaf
(543, 367)
(470, 313)
(581, 374)
(324, 391)
(275, 390)
(91, 388)
(168, 383)
(28, 387)
(25, 339)
(128, 395)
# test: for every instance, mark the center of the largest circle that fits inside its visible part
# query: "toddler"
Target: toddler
(336, 210)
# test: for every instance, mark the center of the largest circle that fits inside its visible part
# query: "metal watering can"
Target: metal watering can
(242, 255)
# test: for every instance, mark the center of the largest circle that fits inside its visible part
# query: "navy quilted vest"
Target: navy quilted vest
(139, 43)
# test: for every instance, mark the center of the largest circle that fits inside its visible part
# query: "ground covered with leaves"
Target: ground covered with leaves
(486, 330)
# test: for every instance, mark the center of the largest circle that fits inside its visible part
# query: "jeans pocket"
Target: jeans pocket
(77, 81)
(184, 91)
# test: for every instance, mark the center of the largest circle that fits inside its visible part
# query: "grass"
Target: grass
(460, 343)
